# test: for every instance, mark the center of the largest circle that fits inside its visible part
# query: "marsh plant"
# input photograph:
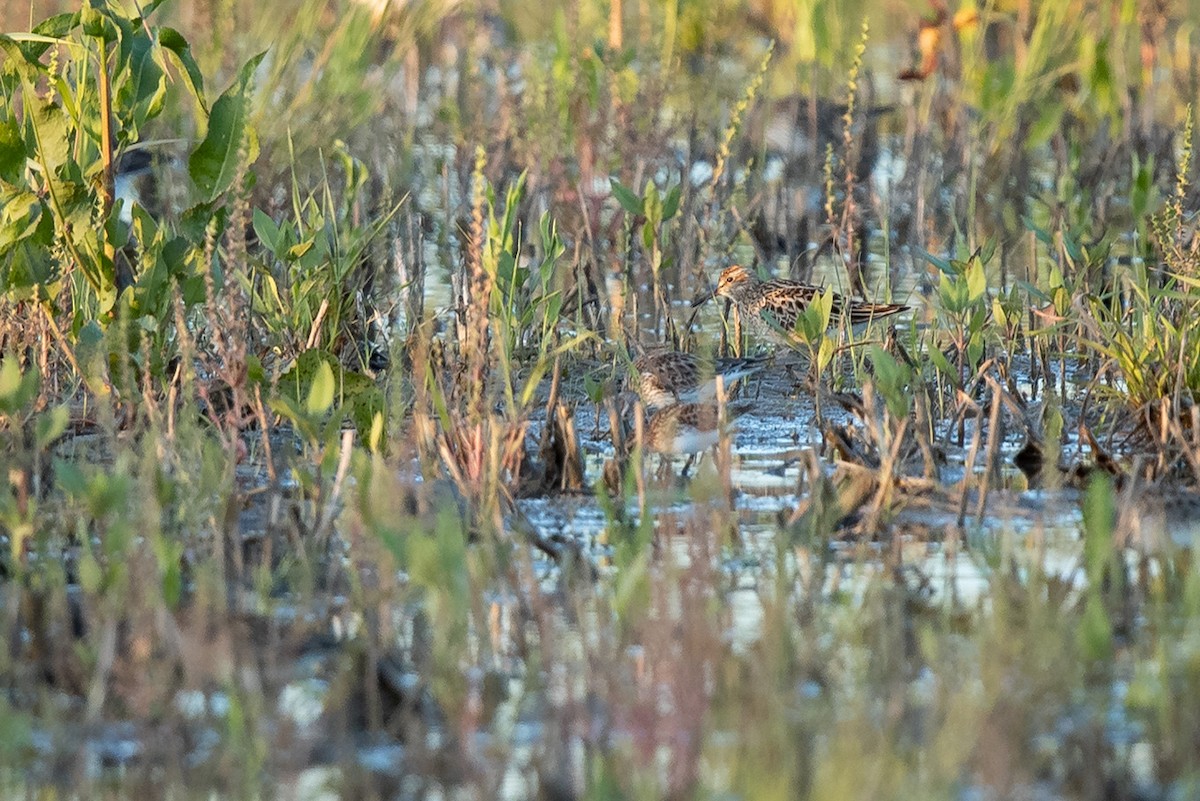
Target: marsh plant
(301, 488)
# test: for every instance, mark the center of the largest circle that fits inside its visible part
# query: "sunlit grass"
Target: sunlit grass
(268, 437)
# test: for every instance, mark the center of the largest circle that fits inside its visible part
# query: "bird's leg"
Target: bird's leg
(687, 465)
(664, 468)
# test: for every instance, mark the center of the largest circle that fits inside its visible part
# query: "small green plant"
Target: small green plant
(26, 434)
(84, 89)
(1145, 334)
(309, 282)
(962, 298)
(812, 331)
(654, 210)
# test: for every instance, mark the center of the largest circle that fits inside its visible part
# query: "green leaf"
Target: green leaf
(320, 394)
(652, 205)
(671, 204)
(940, 263)
(1047, 123)
(90, 576)
(825, 353)
(976, 281)
(10, 380)
(173, 42)
(953, 294)
(99, 21)
(51, 425)
(57, 26)
(69, 478)
(648, 235)
(943, 365)
(297, 252)
(1095, 630)
(266, 229)
(375, 438)
(21, 217)
(892, 378)
(1099, 513)
(987, 249)
(50, 130)
(999, 313)
(975, 348)
(1033, 291)
(146, 9)
(366, 404)
(593, 388)
(12, 151)
(628, 200)
(1042, 234)
(141, 85)
(215, 162)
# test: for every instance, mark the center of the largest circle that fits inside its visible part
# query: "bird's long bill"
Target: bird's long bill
(705, 298)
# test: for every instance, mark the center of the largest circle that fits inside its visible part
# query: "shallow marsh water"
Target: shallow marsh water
(949, 659)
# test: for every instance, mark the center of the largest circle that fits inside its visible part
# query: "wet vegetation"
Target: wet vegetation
(323, 475)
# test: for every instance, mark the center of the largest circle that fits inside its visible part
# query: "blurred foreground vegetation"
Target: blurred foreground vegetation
(306, 310)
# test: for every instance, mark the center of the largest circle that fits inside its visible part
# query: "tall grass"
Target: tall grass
(219, 503)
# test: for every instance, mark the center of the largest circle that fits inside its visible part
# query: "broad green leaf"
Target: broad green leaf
(892, 379)
(10, 382)
(367, 405)
(1033, 291)
(296, 252)
(825, 353)
(1048, 123)
(51, 425)
(976, 281)
(100, 21)
(50, 131)
(20, 56)
(998, 312)
(628, 200)
(69, 478)
(174, 43)
(91, 578)
(975, 348)
(593, 388)
(671, 204)
(1094, 635)
(141, 85)
(944, 266)
(1042, 234)
(375, 438)
(12, 151)
(266, 229)
(953, 294)
(216, 161)
(1099, 513)
(987, 250)
(146, 9)
(21, 216)
(652, 204)
(943, 365)
(320, 394)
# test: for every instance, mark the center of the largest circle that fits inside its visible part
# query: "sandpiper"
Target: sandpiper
(771, 308)
(668, 377)
(688, 427)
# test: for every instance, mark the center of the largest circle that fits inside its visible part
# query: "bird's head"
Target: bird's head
(733, 280)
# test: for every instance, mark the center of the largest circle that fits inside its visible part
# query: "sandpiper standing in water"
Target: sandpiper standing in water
(771, 308)
(688, 428)
(669, 377)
